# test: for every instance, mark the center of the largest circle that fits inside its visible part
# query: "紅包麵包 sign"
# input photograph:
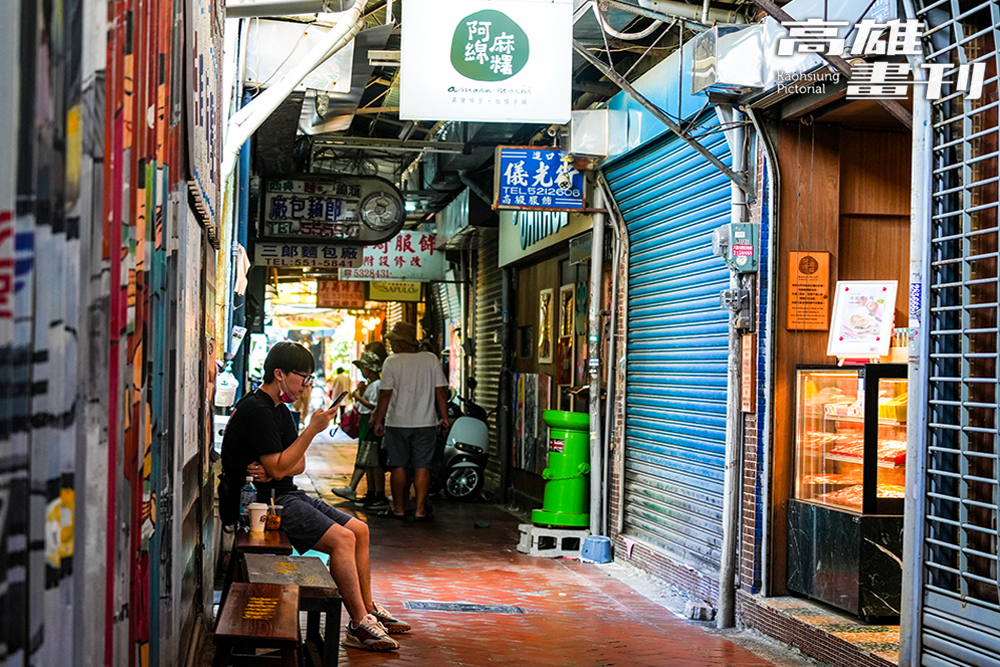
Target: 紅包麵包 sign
(408, 256)
(325, 209)
(487, 60)
(537, 178)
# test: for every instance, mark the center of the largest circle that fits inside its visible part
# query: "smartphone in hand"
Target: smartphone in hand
(338, 399)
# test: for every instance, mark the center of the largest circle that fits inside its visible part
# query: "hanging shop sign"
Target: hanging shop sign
(523, 233)
(394, 290)
(748, 375)
(204, 95)
(808, 291)
(536, 178)
(339, 294)
(487, 60)
(408, 256)
(303, 254)
(347, 209)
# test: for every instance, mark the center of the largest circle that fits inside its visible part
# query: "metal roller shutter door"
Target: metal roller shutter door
(489, 353)
(675, 410)
(960, 575)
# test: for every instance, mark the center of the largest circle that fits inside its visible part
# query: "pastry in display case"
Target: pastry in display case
(832, 432)
(845, 516)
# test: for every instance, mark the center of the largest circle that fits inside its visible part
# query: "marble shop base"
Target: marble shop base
(848, 560)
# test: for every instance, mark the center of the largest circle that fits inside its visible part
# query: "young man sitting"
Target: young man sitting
(262, 441)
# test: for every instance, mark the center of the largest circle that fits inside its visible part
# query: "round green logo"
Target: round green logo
(488, 46)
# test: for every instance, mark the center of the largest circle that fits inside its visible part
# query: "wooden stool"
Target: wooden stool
(245, 542)
(317, 593)
(259, 616)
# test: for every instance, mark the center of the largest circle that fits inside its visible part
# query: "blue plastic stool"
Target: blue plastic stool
(596, 549)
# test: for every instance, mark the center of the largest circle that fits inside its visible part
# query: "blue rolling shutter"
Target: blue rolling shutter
(675, 422)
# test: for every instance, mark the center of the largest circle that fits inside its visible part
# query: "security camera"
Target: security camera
(551, 132)
(564, 182)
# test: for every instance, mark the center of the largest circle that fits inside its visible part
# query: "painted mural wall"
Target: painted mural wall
(102, 333)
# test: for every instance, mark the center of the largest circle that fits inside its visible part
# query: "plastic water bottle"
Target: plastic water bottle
(248, 494)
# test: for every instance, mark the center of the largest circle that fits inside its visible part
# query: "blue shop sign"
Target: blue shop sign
(537, 178)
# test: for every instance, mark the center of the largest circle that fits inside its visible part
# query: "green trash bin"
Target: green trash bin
(566, 485)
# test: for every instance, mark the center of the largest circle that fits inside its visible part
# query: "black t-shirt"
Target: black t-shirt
(257, 427)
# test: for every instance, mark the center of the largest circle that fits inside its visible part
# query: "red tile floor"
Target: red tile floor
(567, 612)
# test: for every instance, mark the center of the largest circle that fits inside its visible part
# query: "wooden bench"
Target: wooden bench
(259, 616)
(317, 593)
(245, 542)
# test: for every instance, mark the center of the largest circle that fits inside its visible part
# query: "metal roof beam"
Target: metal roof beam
(390, 145)
(618, 79)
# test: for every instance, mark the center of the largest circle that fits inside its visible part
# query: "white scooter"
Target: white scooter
(466, 450)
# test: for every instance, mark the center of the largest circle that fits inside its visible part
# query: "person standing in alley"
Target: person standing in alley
(341, 382)
(413, 387)
(261, 441)
(366, 464)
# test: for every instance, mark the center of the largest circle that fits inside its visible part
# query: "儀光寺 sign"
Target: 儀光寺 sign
(537, 178)
(339, 294)
(408, 256)
(487, 60)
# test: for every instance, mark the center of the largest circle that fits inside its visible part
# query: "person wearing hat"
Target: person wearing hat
(366, 464)
(413, 386)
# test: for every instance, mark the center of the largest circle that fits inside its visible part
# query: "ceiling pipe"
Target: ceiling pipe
(246, 121)
(244, 9)
(703, 14)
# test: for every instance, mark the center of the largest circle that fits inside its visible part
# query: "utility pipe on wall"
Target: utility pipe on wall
(726, 617)
(914, 531)
(245, 122)
(593, 348)
(609, 372)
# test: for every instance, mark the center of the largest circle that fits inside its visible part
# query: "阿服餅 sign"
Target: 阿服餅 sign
(409, 256)
(487, 60)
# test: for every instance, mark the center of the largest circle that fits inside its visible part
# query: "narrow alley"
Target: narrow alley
(535, 611)
(712, 284)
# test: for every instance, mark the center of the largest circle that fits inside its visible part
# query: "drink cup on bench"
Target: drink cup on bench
(258, 518)
(274, 517)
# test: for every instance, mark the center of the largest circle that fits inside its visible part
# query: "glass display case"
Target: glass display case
(845, 517)
(850, 437)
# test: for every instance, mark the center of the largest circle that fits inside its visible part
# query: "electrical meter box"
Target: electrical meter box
(737, 244)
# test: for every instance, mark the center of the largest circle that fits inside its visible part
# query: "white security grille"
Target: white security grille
(961, 606)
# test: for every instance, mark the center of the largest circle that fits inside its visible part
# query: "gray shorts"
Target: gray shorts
(306, 519)
(410, 447)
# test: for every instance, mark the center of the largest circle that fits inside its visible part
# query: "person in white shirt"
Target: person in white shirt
(413, 386)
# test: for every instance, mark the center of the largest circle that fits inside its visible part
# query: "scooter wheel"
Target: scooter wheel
(463, 484)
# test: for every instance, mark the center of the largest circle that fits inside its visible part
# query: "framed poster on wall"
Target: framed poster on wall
(863, 314)
(545, 343)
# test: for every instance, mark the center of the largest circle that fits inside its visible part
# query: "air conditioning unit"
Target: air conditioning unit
(728, 60)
